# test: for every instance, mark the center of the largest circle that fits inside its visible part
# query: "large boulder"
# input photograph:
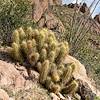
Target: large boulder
(14, 76)
(3, 95)
(86, 87)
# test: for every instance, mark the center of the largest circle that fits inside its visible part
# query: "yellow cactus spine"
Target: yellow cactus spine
(67, 47)
(15, 37)
(29, 46)
(24, 47)
(21, 33)
(34, 45)
(16, 52)
(40, 40)
(55, 88)
(62, 53)
(48, 83)
(52, 35)
(33, 58)
(61, 69)
(53, 46)
(51, 56)
(71, 88)
(43, 55)
(44, 71)
(55, 76)
(45, 46)
(29, 33)
(67, 75)
(39, 66)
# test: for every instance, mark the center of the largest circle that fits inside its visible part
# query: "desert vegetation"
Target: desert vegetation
(44, 50)
(80, 35)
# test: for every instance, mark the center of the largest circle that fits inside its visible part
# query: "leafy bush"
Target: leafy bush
(13, 14)
(97, 98)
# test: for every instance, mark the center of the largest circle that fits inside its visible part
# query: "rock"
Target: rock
(79, 73)
(77, 96)
(85, 91)
(9, 75)
(54, 96)
(41, 22)
(61, 96)
(51, 22)
(3, 95)
(84, 8)
(15, 76)
(40, 6)
(45, 17)
(97, 18)
(71, 5)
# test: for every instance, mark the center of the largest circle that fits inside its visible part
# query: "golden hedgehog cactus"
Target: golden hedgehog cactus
(44, 52)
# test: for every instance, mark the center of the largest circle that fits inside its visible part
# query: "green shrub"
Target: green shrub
(97, 98)
(13, 14)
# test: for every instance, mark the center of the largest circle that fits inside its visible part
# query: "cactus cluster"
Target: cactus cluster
(40, 48)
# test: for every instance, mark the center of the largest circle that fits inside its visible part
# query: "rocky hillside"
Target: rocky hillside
(17, 82)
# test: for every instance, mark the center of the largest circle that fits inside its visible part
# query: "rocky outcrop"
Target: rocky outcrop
(44, 16)
(86, 88)
(97, 18)
(51, 22)
(82, 8)
(3, 95)
(14, 76)
(40, 6)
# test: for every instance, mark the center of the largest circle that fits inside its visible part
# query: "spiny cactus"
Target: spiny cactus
(67, 75)
(44, 71)
(54, 73)
(15, 37)
(39, 66)
(71, 88)
(48, 83)
(41, 49)
(43, 55)
(22, 34)
(33, 58)
(29, 33)
(16, 54)
(56, 88)
(51, 56)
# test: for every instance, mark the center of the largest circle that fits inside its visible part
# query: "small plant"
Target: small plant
(40, 48)
(97, 98)
(13, 14)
